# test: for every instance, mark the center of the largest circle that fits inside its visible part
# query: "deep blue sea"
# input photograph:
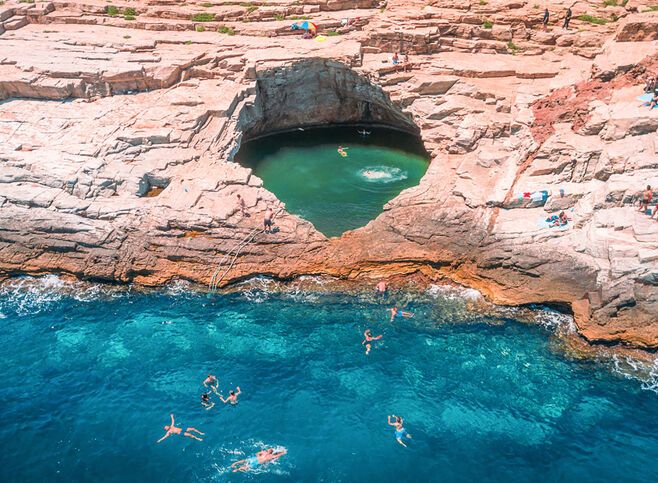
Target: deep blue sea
(90, 375)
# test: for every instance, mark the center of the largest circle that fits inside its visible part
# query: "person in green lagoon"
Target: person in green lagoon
(173, 429)
(400, 432)
(261, 458)
(232, 397)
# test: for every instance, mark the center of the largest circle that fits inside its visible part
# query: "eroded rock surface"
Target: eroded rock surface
(117, 136)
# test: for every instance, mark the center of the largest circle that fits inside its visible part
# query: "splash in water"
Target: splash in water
(382, 174)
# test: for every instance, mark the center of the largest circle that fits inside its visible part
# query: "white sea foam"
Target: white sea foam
(454, 293)
(646, 373)
(554, 320)
(382, 174)
(31, 295)
(179, 287)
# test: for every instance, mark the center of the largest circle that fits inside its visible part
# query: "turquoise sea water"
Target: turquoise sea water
(336, 193)
(90, 376)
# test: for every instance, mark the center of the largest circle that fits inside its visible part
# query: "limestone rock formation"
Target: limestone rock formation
(118, 130)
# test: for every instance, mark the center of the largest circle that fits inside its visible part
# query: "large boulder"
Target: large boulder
(638, 28)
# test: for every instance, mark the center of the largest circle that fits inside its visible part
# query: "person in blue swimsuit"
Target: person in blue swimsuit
(400, 432)
(261, 458)
(395, 312)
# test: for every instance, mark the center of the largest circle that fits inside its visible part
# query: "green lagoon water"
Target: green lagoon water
(335, 193)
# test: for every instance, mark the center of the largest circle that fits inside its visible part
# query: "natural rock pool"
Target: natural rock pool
(334, 192)
(90, 375)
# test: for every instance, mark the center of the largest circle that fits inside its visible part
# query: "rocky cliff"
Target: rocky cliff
(118, 129)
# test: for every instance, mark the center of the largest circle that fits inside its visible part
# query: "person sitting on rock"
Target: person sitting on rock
(562, 220)
(396, 59)
(647, 196)
(407, 63)
(650, 84)
(655, 212)
(654, 100)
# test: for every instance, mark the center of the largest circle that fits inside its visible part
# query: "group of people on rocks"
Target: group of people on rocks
(406, 63)
(558, 220)
(567, 18)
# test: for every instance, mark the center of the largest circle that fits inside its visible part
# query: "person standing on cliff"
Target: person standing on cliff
(547, 15)
(647, 196)
(242, 205)
(567, 18)
(267, 220)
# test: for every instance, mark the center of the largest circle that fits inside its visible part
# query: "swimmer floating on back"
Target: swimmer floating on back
(261, 458)
(400, 432)
(211, 382)
(174, 430)
(232, 397)
(367, 338)
(395, 312)
(342, 151)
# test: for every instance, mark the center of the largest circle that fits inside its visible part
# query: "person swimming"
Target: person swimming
(206, 402)
(211, 382)
(382, 288)
(368, 338)
(400, 432)
(364, 133)
(232, 397)
(395, 312)
(342, 151)
(261, 458)
(172, 429)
